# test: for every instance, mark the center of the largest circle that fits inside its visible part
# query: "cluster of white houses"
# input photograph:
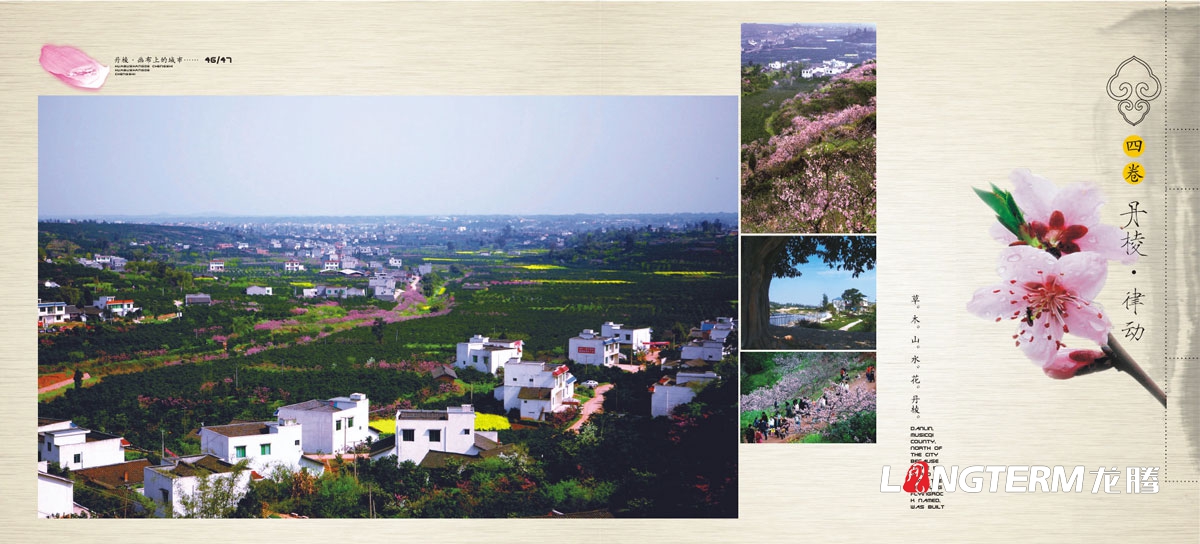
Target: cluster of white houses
(50, 313)
(302, 436)
(75, 448)
(708, 342)
(533, 388)
(706, 345)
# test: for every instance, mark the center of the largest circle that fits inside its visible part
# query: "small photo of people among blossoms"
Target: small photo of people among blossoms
(808, 397)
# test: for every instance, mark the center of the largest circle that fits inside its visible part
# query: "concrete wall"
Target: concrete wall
(55, 496)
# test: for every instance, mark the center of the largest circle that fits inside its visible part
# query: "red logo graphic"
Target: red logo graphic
(916, 480)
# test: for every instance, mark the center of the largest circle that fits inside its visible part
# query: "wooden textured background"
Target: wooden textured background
(967, 92)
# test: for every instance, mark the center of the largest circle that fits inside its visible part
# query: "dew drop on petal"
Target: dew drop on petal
(1013, 257)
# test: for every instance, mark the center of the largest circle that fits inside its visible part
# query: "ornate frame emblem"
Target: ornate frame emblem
(1133, 88)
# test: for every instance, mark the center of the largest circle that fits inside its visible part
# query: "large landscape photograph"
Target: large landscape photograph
(387, 307)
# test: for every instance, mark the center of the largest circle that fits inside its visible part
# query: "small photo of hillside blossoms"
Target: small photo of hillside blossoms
(808, 143)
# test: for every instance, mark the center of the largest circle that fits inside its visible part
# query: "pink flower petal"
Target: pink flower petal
(1033, 194)
(1024, 264)
(1041, 342)
(1079, 203)
(73, 67)
(995, 302)
(1084, 273)
(1088, 321)
(1108, 240)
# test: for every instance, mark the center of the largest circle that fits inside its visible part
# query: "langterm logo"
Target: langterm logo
(916, 480)
(920, 477)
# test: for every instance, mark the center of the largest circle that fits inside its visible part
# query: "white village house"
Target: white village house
(536, 389)
(256, 290)
(118, 307)
(168, 484)
(331, 426)
(419, 432)
(708, 350)
(639, 339)
(51, 312)
(55, 494)
(590, 348)
(216, 266)
(73, 447)
(718, 329)
(669, 393)
(487, 355)
(266, 444)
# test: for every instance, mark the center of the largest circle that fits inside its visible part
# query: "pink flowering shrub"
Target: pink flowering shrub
(817, 173)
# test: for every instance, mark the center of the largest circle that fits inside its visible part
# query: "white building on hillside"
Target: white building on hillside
(708, 350)
(77, 448)
(638, 338)
(419, 432)
(487, 355)
(536, 389)
(170, 484)
(118, 307)
(257, 290)
(590, 348)
(51, 312)
(719, 329)
(55, 494)
(331, 426)
(293, 266)
(669, 393)
(216, 266)
(266, 444)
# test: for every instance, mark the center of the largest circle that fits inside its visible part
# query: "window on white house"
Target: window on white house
(264, 449)
(435, 435)
(297, 442)
(408, 435)
(78, 457)
(239, 452)
(337, 426)
(166, 497)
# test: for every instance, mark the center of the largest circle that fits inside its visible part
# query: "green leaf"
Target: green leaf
(1006, 209)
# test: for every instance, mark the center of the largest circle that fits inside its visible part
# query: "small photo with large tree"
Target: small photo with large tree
(808, 292)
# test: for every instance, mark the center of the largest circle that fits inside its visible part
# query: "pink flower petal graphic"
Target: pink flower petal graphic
(1047, 297)
(73, 67)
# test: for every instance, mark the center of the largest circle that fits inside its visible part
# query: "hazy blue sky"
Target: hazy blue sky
(817, 279)
(104, 155)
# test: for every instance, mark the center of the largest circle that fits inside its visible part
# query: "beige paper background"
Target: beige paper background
(967, 92)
